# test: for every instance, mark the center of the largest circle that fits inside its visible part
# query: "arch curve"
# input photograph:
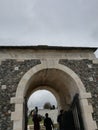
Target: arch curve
(49, 69)
(26, 79)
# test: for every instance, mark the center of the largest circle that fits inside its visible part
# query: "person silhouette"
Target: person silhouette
(48, 122)
(36, 119)
(60, 120)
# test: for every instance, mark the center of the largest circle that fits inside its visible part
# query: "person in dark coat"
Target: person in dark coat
(68, 121)
(48, 122)
(36, 120)
(60, 120)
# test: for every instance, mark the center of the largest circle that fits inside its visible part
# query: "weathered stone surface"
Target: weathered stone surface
(11, 71)
(10, 77)
(81, 68)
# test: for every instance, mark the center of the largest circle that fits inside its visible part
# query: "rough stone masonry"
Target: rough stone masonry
(16, 61)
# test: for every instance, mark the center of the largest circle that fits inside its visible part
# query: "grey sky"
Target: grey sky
(49, 22)
(40, 97)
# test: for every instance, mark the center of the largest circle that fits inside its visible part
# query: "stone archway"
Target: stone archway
(42, 75)
(49, 89)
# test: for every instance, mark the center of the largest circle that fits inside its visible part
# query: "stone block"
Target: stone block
(3, 87)
(16, 68)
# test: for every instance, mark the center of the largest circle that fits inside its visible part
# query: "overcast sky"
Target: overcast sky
(39, 98)
(49, 22)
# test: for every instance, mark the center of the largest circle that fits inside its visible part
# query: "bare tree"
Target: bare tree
(47, 105)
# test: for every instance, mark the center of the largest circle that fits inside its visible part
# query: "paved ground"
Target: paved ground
(30, 127)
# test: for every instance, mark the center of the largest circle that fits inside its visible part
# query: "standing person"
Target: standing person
(60, 120)
(68, 120)
(36, 109)
(48, 122)
(36, 119)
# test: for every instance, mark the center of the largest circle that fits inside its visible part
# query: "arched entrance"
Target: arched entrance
(59, 83)
(59, 79)
(46, 102)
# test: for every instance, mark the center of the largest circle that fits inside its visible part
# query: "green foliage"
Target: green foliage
(30, 122)
(47, 105)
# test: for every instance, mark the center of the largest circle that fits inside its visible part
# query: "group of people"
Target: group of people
(64, 120)
(37, 119)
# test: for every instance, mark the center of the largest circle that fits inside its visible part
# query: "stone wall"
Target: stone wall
(88, 73)
(11, 71)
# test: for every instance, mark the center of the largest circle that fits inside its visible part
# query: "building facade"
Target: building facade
(64, 71)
